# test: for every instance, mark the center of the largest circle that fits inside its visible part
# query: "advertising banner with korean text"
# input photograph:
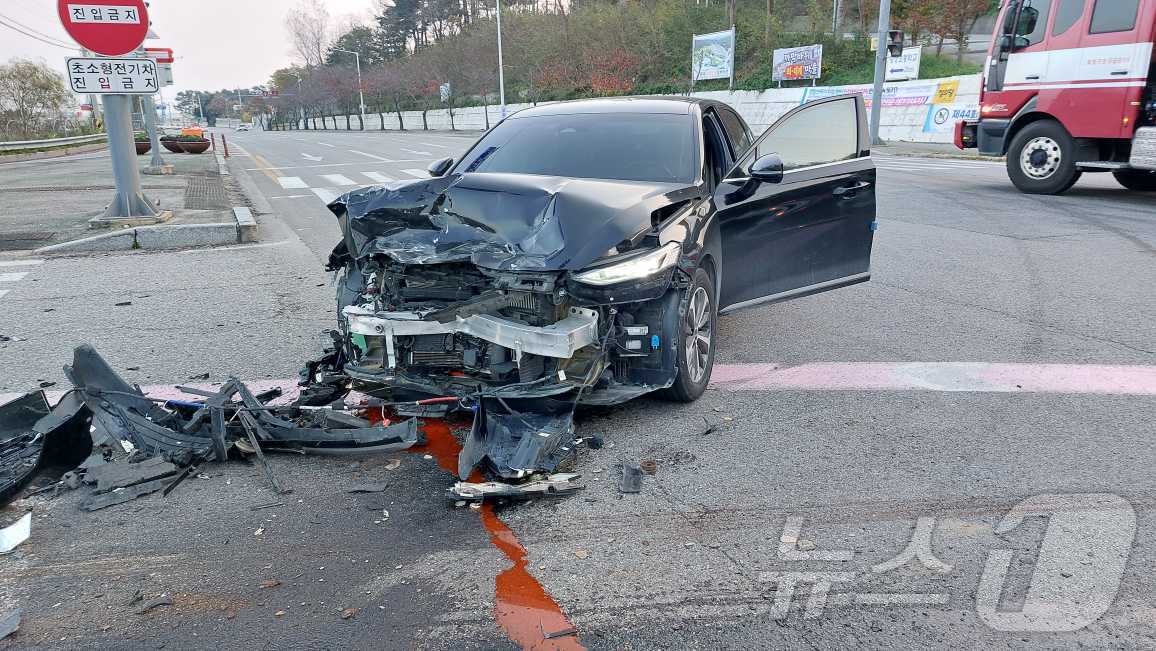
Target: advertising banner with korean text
(933, 92)
(795, 63)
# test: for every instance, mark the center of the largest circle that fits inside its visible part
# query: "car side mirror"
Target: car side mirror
(440, 167)
(768, 169)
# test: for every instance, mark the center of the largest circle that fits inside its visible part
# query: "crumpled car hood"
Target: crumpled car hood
(501, 221)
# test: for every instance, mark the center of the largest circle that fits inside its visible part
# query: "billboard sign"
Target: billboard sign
(712, 56)
(795, 63)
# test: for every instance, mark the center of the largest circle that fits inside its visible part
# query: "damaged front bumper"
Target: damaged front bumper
(559, 340)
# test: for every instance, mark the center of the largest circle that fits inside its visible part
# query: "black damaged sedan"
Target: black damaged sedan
(581, 252)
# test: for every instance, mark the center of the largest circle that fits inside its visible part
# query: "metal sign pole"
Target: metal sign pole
(129, 200)
(157, 165)
(880, 70)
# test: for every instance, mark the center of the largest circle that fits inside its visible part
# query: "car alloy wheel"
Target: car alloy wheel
(1041, 158)
(699, 333)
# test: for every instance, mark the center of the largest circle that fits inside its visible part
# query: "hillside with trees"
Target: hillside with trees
(564, 49)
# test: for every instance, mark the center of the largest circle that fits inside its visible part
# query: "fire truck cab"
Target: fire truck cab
(1067, 89)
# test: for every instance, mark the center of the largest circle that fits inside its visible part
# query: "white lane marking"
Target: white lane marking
(338, 179)
(13, 277)
(421, 174)
(313, 167)
(415, 152)
(434, 144)
(291, 196)
(325, 194)
(3, 292)
(292, 182)
(326, 144)
(380, 158)
(311, 157)
(378, 177)
(20, 263)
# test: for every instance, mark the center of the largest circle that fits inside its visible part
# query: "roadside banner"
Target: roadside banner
(942, 117)
(795, 63)
(712, 56)
(909, 94)
(906, 66)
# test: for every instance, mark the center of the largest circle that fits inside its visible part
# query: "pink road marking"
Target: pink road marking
(976, 377)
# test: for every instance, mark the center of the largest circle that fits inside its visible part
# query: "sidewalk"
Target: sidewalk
(48, 202)
(929, 150)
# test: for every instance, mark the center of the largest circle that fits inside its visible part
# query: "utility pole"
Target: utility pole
(360, 88)
(501, 71)
(836, 9)
(880, 70)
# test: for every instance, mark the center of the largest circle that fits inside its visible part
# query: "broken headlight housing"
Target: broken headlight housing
(633, 267)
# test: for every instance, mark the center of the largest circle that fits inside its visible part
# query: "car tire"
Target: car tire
(1042, 159)
(1137, 180)
(696, 344)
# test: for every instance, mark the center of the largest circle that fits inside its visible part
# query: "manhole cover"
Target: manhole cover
(20, 240)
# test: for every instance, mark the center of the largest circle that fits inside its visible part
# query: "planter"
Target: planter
(195, 147)
(172, 145)
(143, 148)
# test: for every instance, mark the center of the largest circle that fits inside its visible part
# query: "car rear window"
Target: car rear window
(617, 146)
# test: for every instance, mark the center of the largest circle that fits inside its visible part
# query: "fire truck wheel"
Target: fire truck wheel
(1041, 159)
(1138, 180)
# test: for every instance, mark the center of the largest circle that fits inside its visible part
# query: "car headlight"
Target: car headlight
(635, 267)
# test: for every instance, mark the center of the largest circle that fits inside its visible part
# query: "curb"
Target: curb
(249, 187)
(164, 237)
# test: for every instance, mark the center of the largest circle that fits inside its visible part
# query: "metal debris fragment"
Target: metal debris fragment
(553, 485)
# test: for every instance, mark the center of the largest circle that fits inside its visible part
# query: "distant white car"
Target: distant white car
(244, 127)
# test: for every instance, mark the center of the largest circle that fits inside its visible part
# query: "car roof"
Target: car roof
(674, 105)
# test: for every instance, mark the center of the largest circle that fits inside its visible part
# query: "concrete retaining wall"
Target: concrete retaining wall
(913, 111)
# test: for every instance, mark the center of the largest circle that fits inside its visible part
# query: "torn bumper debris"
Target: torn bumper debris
(553, 485)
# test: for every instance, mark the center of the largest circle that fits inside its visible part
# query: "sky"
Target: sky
(217, 43)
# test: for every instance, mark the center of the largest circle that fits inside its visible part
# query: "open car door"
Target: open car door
(797, 213)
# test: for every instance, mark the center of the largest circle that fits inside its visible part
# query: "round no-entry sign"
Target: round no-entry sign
(108, 27)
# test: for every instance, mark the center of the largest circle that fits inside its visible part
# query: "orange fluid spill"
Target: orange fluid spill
(524, 610)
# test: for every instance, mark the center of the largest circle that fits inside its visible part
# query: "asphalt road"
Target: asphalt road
(1003, 351)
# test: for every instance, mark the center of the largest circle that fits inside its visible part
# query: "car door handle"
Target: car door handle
(848, 191)
(1119, 73)
(1032, 78)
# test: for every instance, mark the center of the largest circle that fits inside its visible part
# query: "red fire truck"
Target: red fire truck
(1069, 88)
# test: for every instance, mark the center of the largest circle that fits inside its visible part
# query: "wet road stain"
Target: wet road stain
(524, 610)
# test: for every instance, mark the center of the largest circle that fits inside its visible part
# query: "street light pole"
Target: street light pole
(880, 70)
(501, 70)
(360, 88)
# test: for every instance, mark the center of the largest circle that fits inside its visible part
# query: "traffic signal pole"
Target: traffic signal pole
(880, 70)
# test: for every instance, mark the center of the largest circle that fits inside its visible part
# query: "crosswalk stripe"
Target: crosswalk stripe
(414, 151)
(291, 182)
(421, 174)
(20, 263)
(325, 194)
(432, 144)
(378, 177)
(338, 179)
(367, 155)
(12, 277)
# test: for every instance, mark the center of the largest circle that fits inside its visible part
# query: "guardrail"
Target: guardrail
(21, 145)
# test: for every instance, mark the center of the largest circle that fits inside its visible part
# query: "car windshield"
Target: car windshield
(617, 146)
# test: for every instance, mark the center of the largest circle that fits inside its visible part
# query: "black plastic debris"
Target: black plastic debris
(33, 438)
(513, 444)
(9, 623)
